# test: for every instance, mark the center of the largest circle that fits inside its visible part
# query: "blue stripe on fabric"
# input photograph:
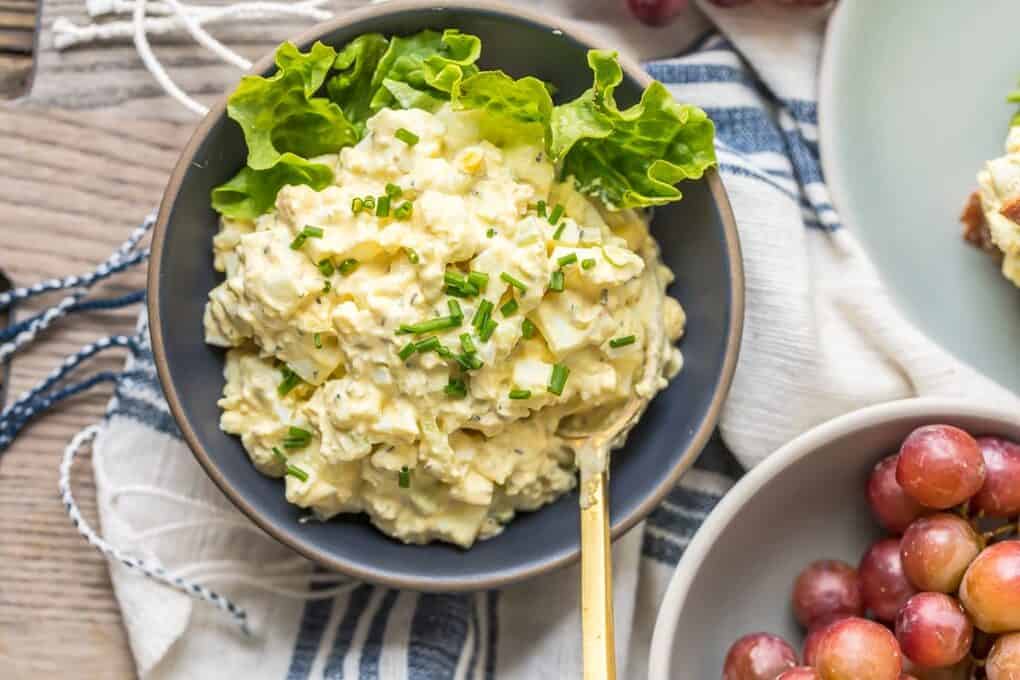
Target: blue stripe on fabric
(802, 110)
(663, 549)
(492, 599)
(356, 606)
(145, 413)
(748, 129)
(476, 642)
(372, 649)
(681, 73)
(439, 629)
(700, 502)
(310, 632)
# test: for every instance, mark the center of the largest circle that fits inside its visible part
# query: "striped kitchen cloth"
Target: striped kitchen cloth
(821, 338)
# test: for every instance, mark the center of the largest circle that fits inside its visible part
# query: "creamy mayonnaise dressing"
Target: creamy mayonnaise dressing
(999, 183)
(386, 437)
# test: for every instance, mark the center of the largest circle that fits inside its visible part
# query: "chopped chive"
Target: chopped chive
(296, 438)
(456, 388)
(479, 280)
(440, 323)
(482, 314)
(278, 455)
(556, 214)
(587, 263)
(622, 342)
(404, 478)
(491, 232)
(467, 344)
(393, 191)
(289, 382)
(406, 136)
(558, 379)
(317, 339)
(520, 394)
(444, 352)
(516, 283)
(567, 259)
(427, 345)
(404, 211)
(509, 307)
(540, 208)
(293, 431)
(487, 330)
(406, 351)
(469, 362)
(559, 231)
(348, 266)
(326, 286)
(298, 473)
(312, 232)
(457, 292)
(412, 255)
(556, 281)
(298, 241)
(455, 311)
(326, 267)
(453, 278)
(382, 206)
(527, 329)
(369, 203)
(357, 205)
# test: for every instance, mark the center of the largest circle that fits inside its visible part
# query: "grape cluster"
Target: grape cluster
(942, 590)
(661, 12)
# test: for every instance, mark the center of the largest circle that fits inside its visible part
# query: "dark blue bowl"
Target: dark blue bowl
(699, 242)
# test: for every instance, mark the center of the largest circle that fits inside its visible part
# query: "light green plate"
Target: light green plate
(912, 104)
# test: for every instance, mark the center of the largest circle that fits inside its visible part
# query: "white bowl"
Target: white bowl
(805, 502)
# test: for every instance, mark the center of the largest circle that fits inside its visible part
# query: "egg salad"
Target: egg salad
(414, 362)
(428, 267)
(999, 191)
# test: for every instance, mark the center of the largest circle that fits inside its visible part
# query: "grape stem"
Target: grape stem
(1004, 530)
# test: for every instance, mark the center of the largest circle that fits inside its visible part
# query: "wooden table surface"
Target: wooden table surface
(85, 156)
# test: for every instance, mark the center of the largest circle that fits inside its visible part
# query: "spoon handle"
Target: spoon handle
(596, 582)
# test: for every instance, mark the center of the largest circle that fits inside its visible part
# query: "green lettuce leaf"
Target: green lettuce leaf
(351, 88)
(515, 110)
(278, 114)
(251, 193)
(423, 70)
(630, 158)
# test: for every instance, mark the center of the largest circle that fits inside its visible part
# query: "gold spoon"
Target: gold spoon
(598, 643)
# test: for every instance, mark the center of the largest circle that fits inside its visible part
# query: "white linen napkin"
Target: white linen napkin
(821, 338)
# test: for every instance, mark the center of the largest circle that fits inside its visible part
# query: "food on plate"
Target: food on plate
(429, 266)
(991, 217)
(949, 586)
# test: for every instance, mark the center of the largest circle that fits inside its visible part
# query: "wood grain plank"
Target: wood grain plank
(74, 184)
(17, 19)
(16, 40)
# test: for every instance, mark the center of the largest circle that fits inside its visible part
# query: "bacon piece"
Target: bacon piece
(975, 226)
(1011, 210)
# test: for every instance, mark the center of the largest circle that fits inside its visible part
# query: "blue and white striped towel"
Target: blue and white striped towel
(821, 339)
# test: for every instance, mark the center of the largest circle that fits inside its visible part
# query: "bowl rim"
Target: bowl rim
(496, 577)
(664, 632)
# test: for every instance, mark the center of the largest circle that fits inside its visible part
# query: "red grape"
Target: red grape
(894, 509)
(940, 466)
(884, 586)
(758, 656)
(824, 589)
(1000, 495)
(858, 649)
(936, 551)
(656, 12)
(990, 590)
(800, 673)
(933, 630)
(1004, 660)
(960, 671)
(814, 638)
